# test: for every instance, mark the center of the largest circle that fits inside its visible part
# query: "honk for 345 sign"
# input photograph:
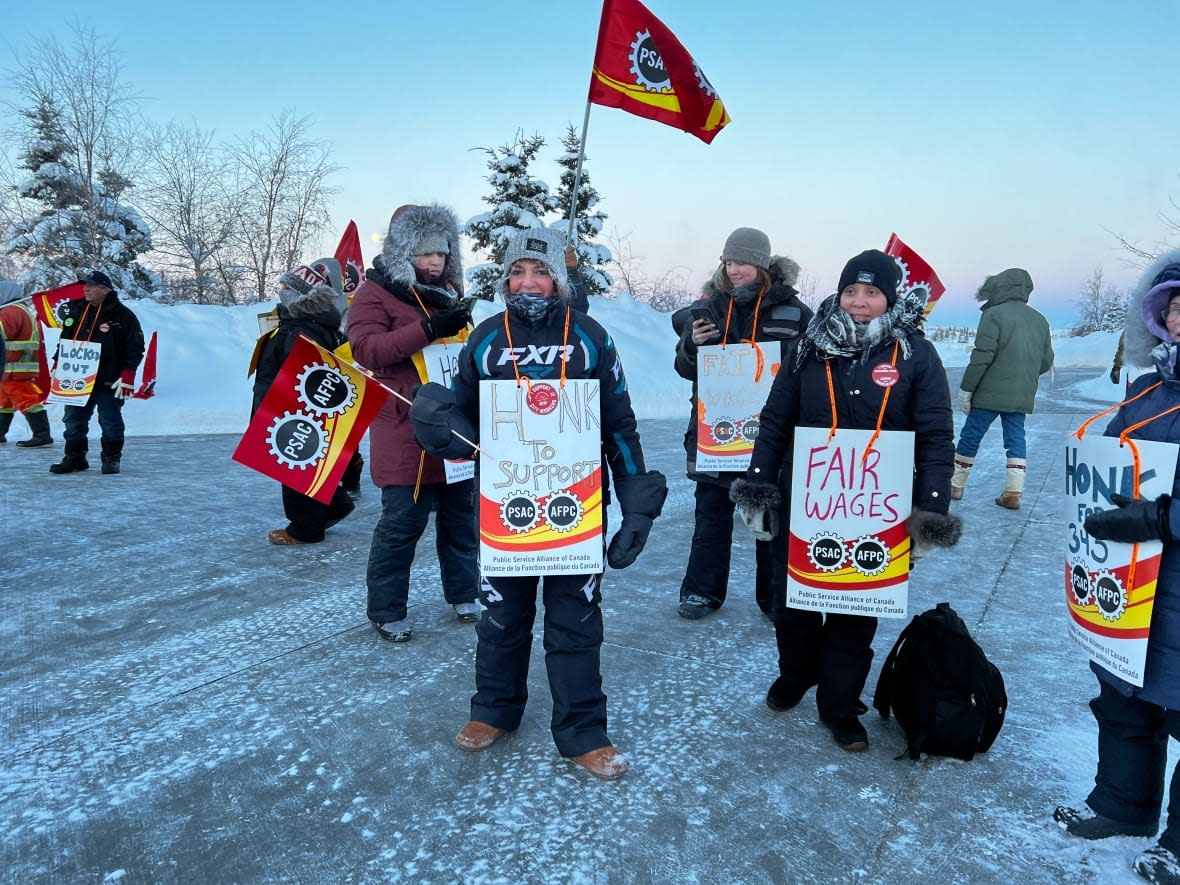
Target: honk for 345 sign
(540, 494)
(1110, 587)
(848, 549)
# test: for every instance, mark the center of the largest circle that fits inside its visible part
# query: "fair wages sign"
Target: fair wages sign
(733, 381)
(848, 549)
(75, 370)
(442, 365)
(540, 497)
(1110, 587)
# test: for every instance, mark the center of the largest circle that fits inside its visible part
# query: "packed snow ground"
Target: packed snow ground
(184, 702)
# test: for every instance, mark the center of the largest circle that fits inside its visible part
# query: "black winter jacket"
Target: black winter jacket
(323, 328)
(781, 317)
(111, 324)
(920, 401)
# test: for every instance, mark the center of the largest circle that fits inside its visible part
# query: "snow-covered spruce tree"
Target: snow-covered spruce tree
(588, 220)
(76, 218)
(519, 201)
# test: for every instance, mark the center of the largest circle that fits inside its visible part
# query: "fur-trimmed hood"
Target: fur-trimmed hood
(782, 270)
(406, 229)
(1145, 329)
(1013, 284)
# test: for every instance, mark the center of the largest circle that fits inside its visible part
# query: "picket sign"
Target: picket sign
(442, 365)
(733, 381)
(75, 371)
(848, 549)
(540, 496)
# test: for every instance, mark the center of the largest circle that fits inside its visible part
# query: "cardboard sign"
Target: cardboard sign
(75, 371)
(848, 550)
(442, 365)
(733, 381)
(540, 497)
(1110, 587)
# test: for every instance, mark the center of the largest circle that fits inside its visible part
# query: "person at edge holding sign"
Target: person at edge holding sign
(863, 363)
(749, 298)
(1134, 723)
(309, 305)
(410, 298)
(101, 318)
(539, 322)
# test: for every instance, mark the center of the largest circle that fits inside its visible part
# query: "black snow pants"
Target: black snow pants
(707, 573)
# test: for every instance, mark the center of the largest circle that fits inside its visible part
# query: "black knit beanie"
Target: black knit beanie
(873, 268)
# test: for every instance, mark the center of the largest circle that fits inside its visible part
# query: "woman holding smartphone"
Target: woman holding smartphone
(751, 297)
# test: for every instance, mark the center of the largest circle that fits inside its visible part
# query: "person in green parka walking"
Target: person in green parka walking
(1012, 350)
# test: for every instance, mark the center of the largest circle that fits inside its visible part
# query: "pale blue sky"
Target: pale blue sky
(986, 137)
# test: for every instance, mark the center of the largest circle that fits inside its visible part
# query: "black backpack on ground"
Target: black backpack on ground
(945, 693)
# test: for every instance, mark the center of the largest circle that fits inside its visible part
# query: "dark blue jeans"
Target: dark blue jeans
(977, 423)
(573, 641)
(402, 522)
(1132, 762)
(110, 417)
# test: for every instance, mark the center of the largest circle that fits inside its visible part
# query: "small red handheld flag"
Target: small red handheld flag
(147, 384)
(348, 253)
(915, 272)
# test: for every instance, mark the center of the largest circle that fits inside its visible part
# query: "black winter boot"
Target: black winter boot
(112, 454)
(39, 425)
(74, 459)
(5, 423)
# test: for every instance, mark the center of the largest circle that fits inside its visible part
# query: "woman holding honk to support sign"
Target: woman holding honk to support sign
(862, 364)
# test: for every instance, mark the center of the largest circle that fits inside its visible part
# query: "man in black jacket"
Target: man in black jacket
(99, 317)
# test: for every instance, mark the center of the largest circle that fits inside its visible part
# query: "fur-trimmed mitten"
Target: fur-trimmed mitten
(758, 503)
(641, 498)
(929, 530)
(436, 423)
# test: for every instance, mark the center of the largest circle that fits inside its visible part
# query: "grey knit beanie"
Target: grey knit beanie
(748, 245)
(543, 244)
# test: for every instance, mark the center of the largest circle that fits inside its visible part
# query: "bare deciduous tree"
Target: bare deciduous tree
(280, 179)
(666, 293)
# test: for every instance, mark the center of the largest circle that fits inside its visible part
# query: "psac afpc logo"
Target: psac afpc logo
(300, 438)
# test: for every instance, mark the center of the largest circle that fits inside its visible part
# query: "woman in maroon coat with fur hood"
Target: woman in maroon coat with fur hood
(409, 299)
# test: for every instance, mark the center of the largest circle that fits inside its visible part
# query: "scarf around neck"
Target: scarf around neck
(833, 331)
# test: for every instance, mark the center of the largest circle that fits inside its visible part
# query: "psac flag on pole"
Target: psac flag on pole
(310, 421)
(48, 302)
(348, 253)
(915, 272)
(643, 69)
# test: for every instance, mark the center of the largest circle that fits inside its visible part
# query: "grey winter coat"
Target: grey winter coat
(1012, 346)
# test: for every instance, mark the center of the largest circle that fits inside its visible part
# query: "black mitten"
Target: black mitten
(436, 422)
(929, 530)
(641, 498)
(1133, 521)
(445, 323)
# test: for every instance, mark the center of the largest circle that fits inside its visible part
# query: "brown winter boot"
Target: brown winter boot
(605, 762)
(478, 735)
(1013, 485)
(963, 465)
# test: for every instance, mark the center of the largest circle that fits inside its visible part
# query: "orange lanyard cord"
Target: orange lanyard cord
(880, 413)
(93, 323)
(565, 337)
(1081, 431)
(729, 318)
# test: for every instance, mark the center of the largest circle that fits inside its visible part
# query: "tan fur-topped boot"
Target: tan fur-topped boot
(1013, 485)
(963, 465)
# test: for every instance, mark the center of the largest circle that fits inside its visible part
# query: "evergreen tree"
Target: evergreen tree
(519, 201)
(588, 220)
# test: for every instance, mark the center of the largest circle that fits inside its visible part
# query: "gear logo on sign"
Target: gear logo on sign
(520, 512)
(325, 389)
(647, 66)
(1110, 595)
(870, 556)
(563, 512)
(297, 440)
(750, 429)
(724, 431)
(1079, 584)
(541, 399)
(826, 552)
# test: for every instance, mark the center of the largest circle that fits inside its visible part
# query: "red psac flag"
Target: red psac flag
(915, 272)
(310, 421)
(641, 67)
(48, 303)
(348, 253)
(147, 383)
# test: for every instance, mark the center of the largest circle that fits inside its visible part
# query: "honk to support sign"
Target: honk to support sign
(540, 497)
(848, 549)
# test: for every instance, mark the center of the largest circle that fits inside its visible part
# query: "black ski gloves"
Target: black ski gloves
(434, 416)
(929, 530)
(758, 503)
(446, 323)
(641, 497)
(1134, 520)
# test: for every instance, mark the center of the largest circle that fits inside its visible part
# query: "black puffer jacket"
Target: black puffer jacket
(111, 324)
(782, 317)
(323, 328)
(920, 401)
